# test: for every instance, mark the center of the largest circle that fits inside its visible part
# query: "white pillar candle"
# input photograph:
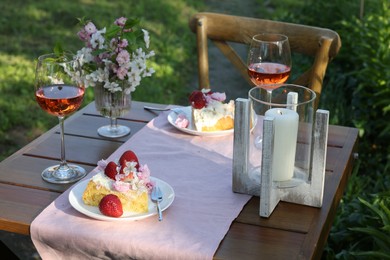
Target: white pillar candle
(285, 141)
(292, 100)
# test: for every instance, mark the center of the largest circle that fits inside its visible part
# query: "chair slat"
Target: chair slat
(321, 44)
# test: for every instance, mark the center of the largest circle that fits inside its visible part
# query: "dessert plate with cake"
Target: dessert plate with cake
(208, 114)
(120, 191)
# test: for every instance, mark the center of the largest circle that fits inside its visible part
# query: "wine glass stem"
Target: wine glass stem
(114, 123)
(63, 163)
(269, 96)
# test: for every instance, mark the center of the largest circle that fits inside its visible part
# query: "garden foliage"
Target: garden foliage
(29, 29)
(357, 93)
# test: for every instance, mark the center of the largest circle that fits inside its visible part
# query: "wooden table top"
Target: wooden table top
(292, 231)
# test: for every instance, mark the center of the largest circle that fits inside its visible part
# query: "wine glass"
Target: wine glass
(59, 93)
(112, 105)
(269, 60)
(269, 65)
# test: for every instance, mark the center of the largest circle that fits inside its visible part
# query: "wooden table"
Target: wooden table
(292, 231)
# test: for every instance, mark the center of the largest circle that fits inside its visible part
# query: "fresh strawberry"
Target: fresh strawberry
(111, 206)
(128, 156)
(197, 99)
(111, 170)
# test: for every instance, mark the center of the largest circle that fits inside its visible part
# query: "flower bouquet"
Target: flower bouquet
(114, 61)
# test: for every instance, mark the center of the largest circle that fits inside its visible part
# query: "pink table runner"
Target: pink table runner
(200, 171)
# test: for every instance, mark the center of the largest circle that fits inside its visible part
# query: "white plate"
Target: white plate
(190, 130)
(75, 199)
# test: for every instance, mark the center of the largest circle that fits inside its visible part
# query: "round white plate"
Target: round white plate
(75, 199)
(190, 130)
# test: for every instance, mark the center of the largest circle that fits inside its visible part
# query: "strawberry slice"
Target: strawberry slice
(111, 206)
(128, 156)
(111, 170)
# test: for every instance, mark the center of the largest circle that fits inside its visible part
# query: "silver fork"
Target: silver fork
(157, 197)
(175, 109)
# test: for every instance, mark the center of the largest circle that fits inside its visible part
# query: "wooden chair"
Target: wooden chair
(319, 43)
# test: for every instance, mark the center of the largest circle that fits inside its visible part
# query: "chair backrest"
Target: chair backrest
(319, 43)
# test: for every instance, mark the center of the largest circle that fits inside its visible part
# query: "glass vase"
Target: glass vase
(112, 105)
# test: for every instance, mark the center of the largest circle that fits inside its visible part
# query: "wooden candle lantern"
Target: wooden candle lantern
(271, 187)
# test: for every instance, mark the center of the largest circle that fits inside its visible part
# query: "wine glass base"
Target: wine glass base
(113, 132)
(70, 174)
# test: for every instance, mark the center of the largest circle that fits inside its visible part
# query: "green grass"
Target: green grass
(31, 28)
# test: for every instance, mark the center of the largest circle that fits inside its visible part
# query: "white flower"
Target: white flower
(150, 54)
(98, 75)
(84, 55)
(97, 39)
(148, 73)
(146, 38)
(112, 86)
(55, 81)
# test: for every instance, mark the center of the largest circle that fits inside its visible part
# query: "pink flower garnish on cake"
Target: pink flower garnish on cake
(129, 174)
(144, 173)
(102, 164)
(150, 185)
(121, 186)
(218, 96)
(182, 121)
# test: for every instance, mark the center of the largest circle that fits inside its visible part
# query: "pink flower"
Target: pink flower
(123, 57)
(102, 164)
(144, 172)
(121, 72)
(90, 28)
(86, 32)
(123, 43)
(150, 186)
(218, 96)
(121, 21)
(83, 35)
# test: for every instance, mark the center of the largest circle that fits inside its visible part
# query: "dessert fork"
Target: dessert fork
(157, 197)
(175, 109)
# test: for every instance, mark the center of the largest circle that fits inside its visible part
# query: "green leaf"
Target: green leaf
(381, 214)
(374, 233)
(83, 21)
(372, 254)
(131, 22)
(98, 52)
(112, 32)
(58, 50)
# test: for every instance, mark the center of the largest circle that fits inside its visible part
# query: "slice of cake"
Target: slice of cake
(210, 113)
(126, 179)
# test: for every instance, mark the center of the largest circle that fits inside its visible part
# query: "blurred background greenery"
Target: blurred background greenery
(356, 88)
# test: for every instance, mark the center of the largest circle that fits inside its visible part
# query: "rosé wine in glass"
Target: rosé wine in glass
(269, 59)
(59, 100)
(59, 93)
(268, 73)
